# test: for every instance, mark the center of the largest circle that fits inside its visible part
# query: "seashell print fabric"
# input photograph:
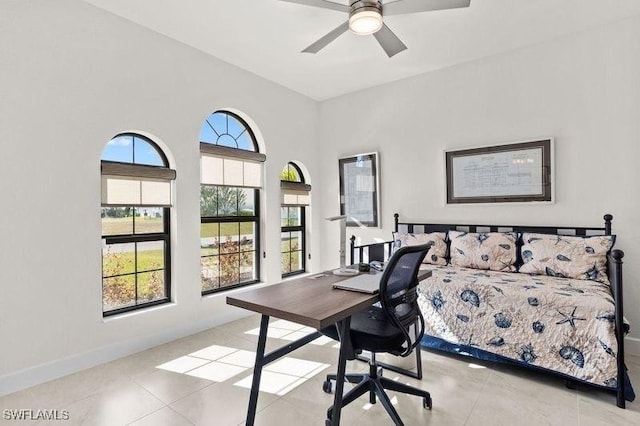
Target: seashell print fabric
(436, 254)
(560, 324)
(565, 256)
(485, 250)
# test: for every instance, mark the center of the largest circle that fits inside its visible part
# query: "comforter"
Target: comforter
(560, 324)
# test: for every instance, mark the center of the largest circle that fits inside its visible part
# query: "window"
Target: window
(230, 177)
(136, 197)
(295, 197)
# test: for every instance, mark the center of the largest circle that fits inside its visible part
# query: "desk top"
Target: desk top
(309, 301)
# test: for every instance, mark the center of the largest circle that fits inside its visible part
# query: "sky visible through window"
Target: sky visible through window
(224, 129)
(131, 149)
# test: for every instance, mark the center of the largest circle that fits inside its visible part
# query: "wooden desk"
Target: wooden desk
(312, 302)
(309, 301)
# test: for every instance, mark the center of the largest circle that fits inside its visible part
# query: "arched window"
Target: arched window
(136, 198)
(295, 198)
(230, 182)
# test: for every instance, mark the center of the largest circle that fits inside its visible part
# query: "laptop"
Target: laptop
(364, 283)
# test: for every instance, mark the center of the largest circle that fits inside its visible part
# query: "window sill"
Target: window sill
(137, 312)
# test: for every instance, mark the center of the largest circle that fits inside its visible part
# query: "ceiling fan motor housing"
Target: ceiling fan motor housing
(365, 5)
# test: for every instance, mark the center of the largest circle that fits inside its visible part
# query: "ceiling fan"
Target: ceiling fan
(365, 17)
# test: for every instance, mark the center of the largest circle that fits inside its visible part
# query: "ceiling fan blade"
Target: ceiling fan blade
(332, 35)
(402, 7)
(321, 3)
(389, 41)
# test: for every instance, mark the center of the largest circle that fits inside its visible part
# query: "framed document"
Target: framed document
(359, 189)
(518, 172)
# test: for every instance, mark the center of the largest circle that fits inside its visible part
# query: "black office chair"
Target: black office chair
(387, 329)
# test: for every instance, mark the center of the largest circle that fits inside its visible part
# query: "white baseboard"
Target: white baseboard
(32, 376)
(632, 346)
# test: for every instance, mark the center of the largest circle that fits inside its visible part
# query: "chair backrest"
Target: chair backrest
(398, 295)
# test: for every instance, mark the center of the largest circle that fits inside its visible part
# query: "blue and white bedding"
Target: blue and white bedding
(558, 324)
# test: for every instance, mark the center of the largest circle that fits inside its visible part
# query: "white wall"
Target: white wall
(584, 90)
(71, 77)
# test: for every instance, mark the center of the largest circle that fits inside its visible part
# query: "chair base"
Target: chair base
(376, 385)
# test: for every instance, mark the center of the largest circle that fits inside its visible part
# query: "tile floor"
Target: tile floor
(204, 379)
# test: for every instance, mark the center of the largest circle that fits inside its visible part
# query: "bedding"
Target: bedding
(560, 324)
(436, 254)
(495, 251)
(583, 258)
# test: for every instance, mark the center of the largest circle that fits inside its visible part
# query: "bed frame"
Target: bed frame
(381, 252)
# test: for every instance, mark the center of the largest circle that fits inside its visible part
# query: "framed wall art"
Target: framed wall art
(516, 172)
(360, 189)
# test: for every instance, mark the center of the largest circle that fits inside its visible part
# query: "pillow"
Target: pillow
(583, 258)
(484, 250)
(436, 254)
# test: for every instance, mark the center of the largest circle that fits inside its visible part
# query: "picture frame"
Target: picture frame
(360, 189)
(520, 172)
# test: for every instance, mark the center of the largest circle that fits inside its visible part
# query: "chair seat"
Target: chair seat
(371, 331)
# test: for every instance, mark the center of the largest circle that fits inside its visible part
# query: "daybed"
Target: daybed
(546, 298)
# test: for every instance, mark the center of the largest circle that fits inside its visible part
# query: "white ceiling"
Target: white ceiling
(266, 36)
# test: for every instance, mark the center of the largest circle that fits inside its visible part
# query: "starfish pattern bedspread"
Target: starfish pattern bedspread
(564, 325)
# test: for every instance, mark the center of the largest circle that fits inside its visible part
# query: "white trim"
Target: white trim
(32, 376)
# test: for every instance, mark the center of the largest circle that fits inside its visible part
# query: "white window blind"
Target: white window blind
(295, 193)
(136, 185)
(230, 167)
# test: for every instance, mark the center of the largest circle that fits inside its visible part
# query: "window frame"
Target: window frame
(134, 238)
(223, 151)
(302, 228)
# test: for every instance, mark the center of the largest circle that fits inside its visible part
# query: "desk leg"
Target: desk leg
(346, 351)
(257, 370)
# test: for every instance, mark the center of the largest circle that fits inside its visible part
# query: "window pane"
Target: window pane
(117, 221)
(209, 239)
(245, 142)
(208, 200)
(118, 259)
(227, 201)
(218, 121)
(145, 153)
(296, 240)
(118, 292)
(207, 134)
(229, 269)
(150, 256)
(229, 237)
(151, 286)
(247, 266)
(290, 174)
(286, 263)
(247, 236)
(290, 216)
(149, 220)
(296, 260)
(235, 128)
(285, 238)
(210, 272)
(246, 201)
(119, 149)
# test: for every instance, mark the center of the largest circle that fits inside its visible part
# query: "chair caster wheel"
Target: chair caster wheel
(326, 386)
(427, 404)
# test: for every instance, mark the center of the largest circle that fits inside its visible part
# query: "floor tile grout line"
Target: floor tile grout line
(477, 398)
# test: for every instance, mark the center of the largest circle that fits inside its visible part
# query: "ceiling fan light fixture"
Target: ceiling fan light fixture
(365, 21)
